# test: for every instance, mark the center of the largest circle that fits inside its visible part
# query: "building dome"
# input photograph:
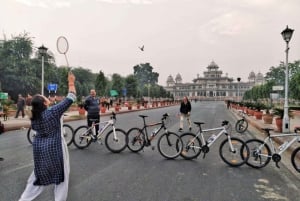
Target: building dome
(170, 81)
(251, 76)
(178, 78)
(259, 78)
(259, 75)
(213, 65)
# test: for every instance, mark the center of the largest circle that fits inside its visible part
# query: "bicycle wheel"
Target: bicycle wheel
(241, 126)
(238, 156)
(296, 159)
(68, 134)
(30, 135)
(169, 145)
(136, 140)
(260, 153)
(116, 142)
(82, 137)
(191, 146)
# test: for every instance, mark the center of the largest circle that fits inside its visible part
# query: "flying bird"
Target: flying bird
(142, 48)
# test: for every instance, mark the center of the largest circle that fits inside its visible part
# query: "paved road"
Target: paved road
(98, 175)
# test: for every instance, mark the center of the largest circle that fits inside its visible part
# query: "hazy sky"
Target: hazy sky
(180, 36)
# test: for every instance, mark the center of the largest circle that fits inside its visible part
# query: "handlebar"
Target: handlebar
(165, 116)
(113, 116)
(225, 122)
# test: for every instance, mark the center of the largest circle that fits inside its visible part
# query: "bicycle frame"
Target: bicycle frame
(208, 144)
(106, 124)
(273, 147)
(158, 129)
(156, 132)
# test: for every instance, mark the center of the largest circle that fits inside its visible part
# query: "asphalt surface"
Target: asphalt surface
(98, 175)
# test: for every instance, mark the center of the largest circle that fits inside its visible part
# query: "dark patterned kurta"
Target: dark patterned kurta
(47, 145)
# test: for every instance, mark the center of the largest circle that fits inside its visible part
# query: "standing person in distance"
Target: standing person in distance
(50, 151)
(20, 106)
(92, 106)
(185, 112)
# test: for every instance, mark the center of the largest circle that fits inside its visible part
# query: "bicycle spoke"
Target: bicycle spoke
(170, 145)
(191, 146)
(136, 140)
(260, 154)
(116, 141)
(234, 156)
(296, 159)
(82, 137)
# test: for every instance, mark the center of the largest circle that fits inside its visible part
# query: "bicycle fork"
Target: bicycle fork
(115, 134)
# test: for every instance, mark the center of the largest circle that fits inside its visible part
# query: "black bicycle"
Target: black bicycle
(138, 138)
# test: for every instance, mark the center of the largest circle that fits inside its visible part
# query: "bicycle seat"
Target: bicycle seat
(296, 129)
(143, 116)
(165, 115)
(225, 122)
(198, 123)
(267, 129)
(94, 120)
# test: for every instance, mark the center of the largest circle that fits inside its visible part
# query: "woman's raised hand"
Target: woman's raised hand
(71, 80)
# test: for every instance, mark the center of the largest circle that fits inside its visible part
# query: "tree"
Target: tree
(294, 84)
(131, 86)
(15, 65)
(276, 74)
(117, 83)
(101, 83)
(144, 76)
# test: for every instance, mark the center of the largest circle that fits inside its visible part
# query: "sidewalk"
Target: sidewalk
(259, 125)
(22, 123)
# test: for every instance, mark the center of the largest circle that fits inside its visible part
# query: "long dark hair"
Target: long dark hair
(38, 107)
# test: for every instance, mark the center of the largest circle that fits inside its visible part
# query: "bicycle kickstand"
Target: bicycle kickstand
(277, 164)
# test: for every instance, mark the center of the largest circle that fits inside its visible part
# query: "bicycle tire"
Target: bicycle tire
(30, 135)
(136, 139)
(191, 146)
(169, 145)
(258, 158)
(237, 157)
(82, 137)
(68, 133)
(295, 159)
(241, 125)
(116, 145)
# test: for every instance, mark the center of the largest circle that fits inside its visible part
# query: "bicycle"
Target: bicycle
(230, 149)
(242, 124)
(115, 140)
(67, 130)
(169, 144)
(261, 154)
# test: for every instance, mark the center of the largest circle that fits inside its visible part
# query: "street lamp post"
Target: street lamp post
(42, 51)
(238, 95)
(149, 92)
(287, 35)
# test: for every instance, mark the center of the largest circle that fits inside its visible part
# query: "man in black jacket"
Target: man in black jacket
(185, 112)
(92, 106)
